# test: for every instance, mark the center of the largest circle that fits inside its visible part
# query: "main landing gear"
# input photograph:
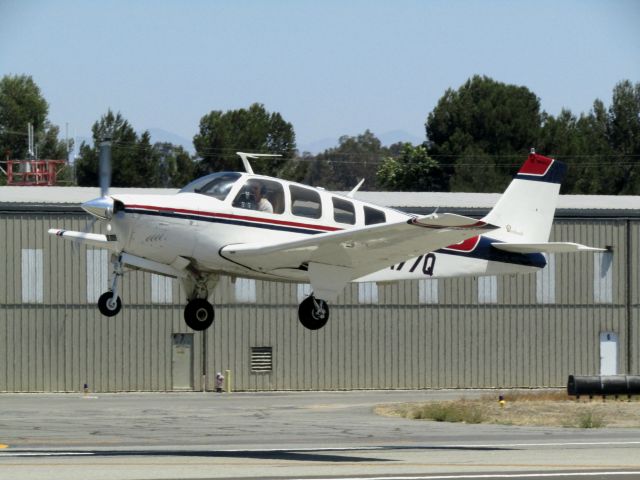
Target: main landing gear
(313, 313)
(199, 313)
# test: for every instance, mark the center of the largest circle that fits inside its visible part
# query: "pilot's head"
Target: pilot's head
(259, 190)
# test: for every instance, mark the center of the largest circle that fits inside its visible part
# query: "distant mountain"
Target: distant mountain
(160, 135)
(387, 138)
(395, 136)
(318, 146)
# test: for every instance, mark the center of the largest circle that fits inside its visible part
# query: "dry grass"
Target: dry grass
(544, 408)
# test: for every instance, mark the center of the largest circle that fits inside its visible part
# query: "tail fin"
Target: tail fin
(526, 209)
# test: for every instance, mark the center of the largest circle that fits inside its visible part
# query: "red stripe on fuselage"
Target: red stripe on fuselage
(237, 217)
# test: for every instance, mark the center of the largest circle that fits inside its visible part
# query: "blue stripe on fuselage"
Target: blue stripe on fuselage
(485, 251)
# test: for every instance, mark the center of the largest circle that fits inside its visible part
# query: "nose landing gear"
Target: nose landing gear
(108, 305)
(313, 313)
(109, 302)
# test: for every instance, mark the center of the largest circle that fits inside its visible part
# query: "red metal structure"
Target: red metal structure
(33, 172)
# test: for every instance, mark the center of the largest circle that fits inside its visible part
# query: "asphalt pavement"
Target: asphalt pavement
(284, 436)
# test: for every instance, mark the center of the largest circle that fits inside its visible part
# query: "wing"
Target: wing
(93, 239)
(335, 258)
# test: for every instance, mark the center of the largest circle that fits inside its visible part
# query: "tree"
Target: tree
(412, 171)
(176, 167)
(49, 145)
(256, 130)
(342, 167)
(624, 135)
(131, 162)
(602, 147)
(134, 161)
(483, 127)
(21, 102)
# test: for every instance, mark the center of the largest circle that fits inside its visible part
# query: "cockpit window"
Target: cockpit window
(216, 185)
(263, 195)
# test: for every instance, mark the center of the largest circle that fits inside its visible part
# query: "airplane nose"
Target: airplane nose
(99, 207)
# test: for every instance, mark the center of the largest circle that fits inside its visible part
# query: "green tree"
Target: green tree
(176, 168)
(342, 167)
(255, 130)
(481, 131)
(49, 145)
(624, 136)
(412, 171)
(21, 102)
(601, 148)
(131, 161)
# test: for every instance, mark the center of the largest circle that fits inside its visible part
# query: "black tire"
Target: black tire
(104, 305)
(199, 314)
(308, 315)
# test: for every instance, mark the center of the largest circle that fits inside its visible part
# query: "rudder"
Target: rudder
(525, 211)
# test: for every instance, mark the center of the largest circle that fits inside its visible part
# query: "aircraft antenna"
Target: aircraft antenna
(355, 189)
(246, 156)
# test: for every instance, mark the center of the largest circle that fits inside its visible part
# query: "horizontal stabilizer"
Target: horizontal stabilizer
(93, 239)
(547, 247)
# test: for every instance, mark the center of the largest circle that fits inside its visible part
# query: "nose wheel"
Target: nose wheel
(199, 314)
(108, 305)
(313, 313)
(109, 302)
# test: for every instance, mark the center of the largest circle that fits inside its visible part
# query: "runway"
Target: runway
(286, 436)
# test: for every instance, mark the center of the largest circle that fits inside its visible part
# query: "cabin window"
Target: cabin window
(262, 195)
(216, 185)
(305, 202)
(343, 211)
(373, 216)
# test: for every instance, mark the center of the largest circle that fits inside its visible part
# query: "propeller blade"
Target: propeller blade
(105, 166)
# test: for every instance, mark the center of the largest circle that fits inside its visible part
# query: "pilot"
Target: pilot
(262, 203)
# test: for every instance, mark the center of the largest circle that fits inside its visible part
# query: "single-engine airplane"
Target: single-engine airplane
(246, 225)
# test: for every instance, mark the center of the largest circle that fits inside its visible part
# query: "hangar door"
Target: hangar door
(182, 361)
(608, 353)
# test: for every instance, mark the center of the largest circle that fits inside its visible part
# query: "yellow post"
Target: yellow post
(228, 380)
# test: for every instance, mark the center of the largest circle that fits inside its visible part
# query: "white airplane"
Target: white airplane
(253, 226)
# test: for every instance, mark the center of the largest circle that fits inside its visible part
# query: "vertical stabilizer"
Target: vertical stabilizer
(526, 209)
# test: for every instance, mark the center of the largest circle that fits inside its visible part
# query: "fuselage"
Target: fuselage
(231, 208)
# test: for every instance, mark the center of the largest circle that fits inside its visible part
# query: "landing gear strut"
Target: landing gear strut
(313, 313)
(199, 314)
(109, 302)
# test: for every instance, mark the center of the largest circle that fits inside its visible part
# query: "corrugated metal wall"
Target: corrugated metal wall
(63, 342)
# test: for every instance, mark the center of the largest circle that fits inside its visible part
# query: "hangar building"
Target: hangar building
(580, 315)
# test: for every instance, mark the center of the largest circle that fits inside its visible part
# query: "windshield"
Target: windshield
(216, 185)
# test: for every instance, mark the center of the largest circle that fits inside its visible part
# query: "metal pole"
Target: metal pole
(629, 279)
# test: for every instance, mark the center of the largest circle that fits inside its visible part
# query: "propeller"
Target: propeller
(102, 208)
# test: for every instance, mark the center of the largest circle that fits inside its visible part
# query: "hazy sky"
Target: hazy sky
(329, 67)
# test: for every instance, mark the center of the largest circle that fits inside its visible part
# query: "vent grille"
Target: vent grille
(261, 359)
